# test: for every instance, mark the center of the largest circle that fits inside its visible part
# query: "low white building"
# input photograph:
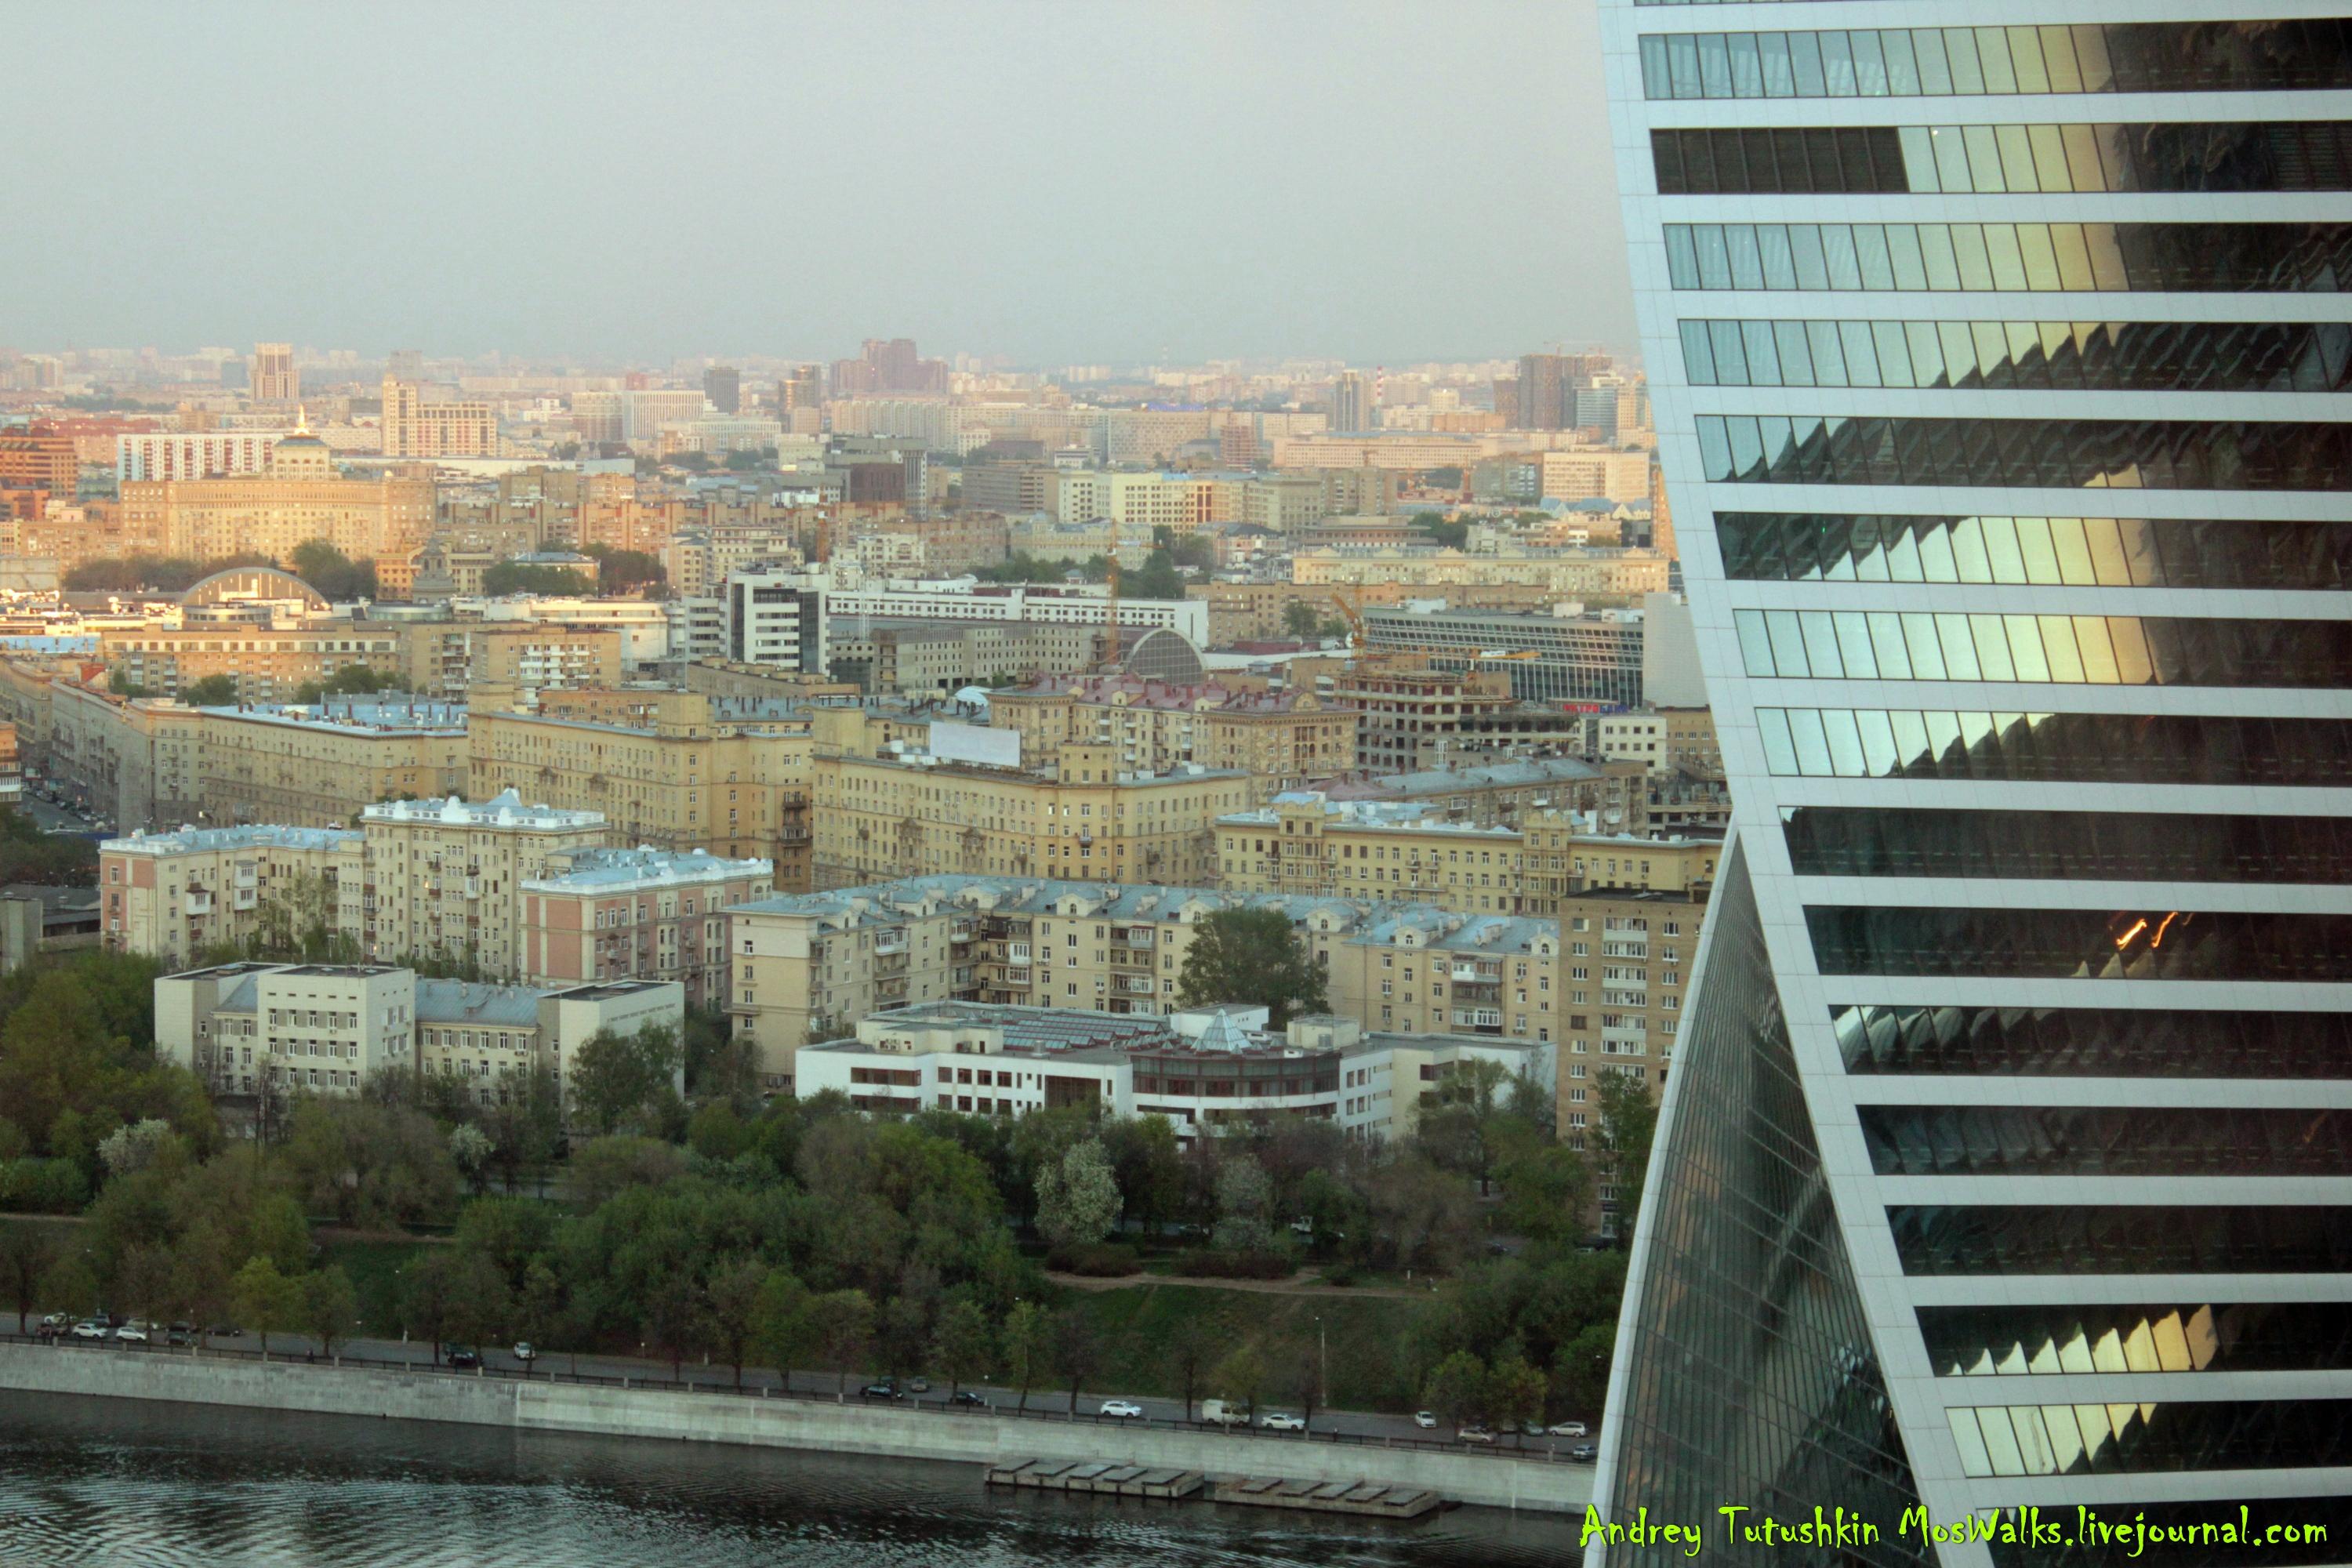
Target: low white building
(1205, 1070)
(325, 1028)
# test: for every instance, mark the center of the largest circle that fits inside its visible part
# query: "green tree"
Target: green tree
(1250, 956)
(212, 691)
(479, 1301)
(268, 1301)
(124, 686)
(1628, 1120)
(626, 571)
(1299, 619)
(1515, 1393)
(785, 1331)
(469, 1150)
(1079, 1350)
(1155, 579)
(334, 574)
(1077, 1201)
(1579, 1369)
(675, 1316)
(845, 1328)
(733, 1304)
(1457, 1390)
(1192, 1342)
(69, 1285)
(331, 1307)
(428, 1297)
(1240, 1378)
(1028, 1347)
(962, 1346)
(25, 1255)
(539, 1307)
(520, 577)
(625, 1082)
(1545, 1190)
(1245, 1206)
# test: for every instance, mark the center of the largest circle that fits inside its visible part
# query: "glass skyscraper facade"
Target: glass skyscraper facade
(2000, 356)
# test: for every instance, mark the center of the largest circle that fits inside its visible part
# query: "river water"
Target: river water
(125, 1484)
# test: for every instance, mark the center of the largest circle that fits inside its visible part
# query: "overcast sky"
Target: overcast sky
(1102, 182)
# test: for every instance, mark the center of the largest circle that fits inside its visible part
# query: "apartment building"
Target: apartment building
(135, 760)
(1613, 796)
(935, 657)
(1303, 843)
(1562, 657)
(261, 1032)
(1411, 719)
(317, 766)
(269, 663)
(302, 496)
(646, 914)
(678, 771)
(414, 428)
(1566, 572)
(878, 819)
(148, 455)
(173, 896)
(1285, 737)
(445, 878)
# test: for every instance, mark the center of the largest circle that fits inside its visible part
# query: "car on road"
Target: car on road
(180, 1334)
(1568, 1429)
(1125, 1409)
(526, 1352)
(965, 1396)
(53, 1325)
(1281, 1421)
(1474, 1433)
(1424, 1419)
(464, 1360)
(91, 1328)
(225, 1332)
(919, 1386)
(132, 1333)
(1585, 1453)
(886, 1389)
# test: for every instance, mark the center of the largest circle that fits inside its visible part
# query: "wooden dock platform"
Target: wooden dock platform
(1113, 1480)
(1364, 1500)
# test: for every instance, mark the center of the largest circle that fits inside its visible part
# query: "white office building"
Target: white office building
(2006, 1162)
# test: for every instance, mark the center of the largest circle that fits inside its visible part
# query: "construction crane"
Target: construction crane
(1360, 642)
(1109, 663)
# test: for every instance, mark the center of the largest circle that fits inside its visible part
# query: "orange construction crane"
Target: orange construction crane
(1360, 643)
(1109, 663)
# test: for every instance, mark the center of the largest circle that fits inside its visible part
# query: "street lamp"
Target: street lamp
(1323, 1362)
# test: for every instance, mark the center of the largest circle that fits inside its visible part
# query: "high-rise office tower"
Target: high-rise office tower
(722, 385)
(2000, 369)
(272, 377)
(1351, 402)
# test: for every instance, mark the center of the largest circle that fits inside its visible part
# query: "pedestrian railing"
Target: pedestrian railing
(764, 1386)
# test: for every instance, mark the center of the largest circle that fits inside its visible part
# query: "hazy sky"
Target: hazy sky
(1052, 182)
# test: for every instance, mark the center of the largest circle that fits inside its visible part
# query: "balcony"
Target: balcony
(198, 902)
(884, 946)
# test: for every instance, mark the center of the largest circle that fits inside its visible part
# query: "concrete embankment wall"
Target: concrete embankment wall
(1493, 1480)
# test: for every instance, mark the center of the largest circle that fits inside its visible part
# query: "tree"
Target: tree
(1077, 1201)
(479, 1301)
(1457, 1390)
(334, 574)
(139, 1145)
(1240, 1378)
(524, 1122)
(785, 1328)
(1155, 579)
(1579, 1369)
(1627, 1122)
(1515, 1393)
(622, 1083)
(962, 1345)
(1078, 1350)
(212, 691)
(26, 1254)
(521, 577)
(1244, 1198)
(268, 1301)
(429, 1297)
(1250, 956)
(538, 1306)
(1545, 1190)
(330, 1308)
(733, 1297)
(1190, 1343)
(844, 1328)
(1028, 1347)
(675, 1316)
(69, 1286)
(470, 1149)
(1303, 1371)
(625, 571)
(1299, 620)
(124, 686)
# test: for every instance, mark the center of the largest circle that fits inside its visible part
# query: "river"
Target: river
(123, 1484)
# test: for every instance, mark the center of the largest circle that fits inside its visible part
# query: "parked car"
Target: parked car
(53, 1325)
(1474, 1433)
(1280, 1421)
(225, 1332)
(1585, 1453)
(526, 1352)
(132, 1333)
(965, 1396)
(886, 1389)
(180, 1334)
(1424, 1419)
(464, 1360)
(91, 1328)
(1125, 1409)
(1223, 1412)
(1568, 1429)
(919, 1386)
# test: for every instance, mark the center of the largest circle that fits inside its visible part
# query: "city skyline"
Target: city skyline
(1235, 203)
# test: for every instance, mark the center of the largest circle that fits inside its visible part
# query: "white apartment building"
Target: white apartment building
(194, 454)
